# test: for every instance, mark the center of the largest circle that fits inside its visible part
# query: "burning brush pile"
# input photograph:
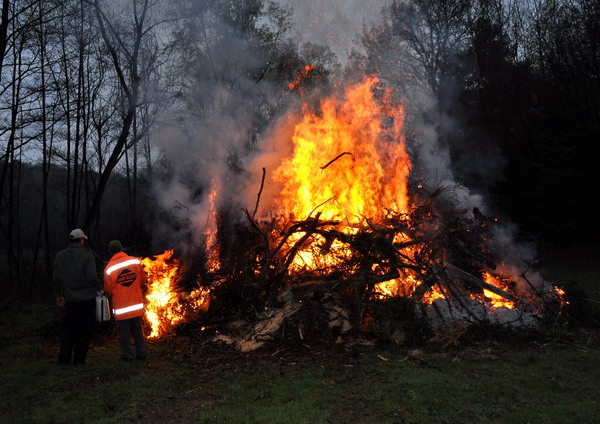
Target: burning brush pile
(355, 248)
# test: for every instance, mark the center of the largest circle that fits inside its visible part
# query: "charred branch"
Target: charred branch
(473, 254)
(432, 257)
(354, 281)
(460, 274)
(336, 158)
(262, 185)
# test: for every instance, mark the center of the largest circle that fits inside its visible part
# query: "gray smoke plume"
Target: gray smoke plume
(206, 138)
(334, 23)
(211, 125)
(207, 143)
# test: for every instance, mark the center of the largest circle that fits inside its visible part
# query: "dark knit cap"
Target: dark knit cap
(115, 246)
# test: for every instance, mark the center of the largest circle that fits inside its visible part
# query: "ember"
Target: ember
(302, 75)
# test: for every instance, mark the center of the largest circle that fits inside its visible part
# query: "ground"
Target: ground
(546, 377)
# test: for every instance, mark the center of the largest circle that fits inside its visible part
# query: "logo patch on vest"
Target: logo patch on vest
(126, 277)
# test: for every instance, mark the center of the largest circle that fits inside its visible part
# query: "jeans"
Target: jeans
(127, 328)
(78, 328)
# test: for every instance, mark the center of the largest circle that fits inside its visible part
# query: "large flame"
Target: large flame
(349, 165)
(349, 160)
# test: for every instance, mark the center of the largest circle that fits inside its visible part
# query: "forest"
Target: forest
(121, 117)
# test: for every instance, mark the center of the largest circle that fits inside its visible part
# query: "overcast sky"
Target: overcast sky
(334, 22)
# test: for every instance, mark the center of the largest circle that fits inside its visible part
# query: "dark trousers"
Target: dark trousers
(78, 328)
(127, 328)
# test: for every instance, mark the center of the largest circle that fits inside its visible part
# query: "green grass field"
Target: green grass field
(549, 379)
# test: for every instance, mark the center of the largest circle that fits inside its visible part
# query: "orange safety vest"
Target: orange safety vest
(124, 277)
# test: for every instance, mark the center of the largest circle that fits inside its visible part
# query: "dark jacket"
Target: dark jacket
(75, 275)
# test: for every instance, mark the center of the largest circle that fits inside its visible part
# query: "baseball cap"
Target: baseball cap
(77, 233)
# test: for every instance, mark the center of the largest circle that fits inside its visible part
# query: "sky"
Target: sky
(334, 23)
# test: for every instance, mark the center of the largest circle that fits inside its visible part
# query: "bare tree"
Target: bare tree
(125, 47)
(4, 31)
(17, 115)
(43, 234)
(432, 34)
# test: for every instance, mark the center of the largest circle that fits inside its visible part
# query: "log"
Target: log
(472, 279)
(473, 254)
(426, 285)
(352, 281)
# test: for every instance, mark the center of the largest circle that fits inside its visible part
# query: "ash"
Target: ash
(444, 313)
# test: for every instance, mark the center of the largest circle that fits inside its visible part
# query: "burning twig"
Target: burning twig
(319, 205)
(301, 76)
(427, 284)
(336, 158)
(292, 252)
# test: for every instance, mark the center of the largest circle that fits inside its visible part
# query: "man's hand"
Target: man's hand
(60, 301)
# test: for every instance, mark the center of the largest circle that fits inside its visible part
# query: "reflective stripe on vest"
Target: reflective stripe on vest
(122, 265)
(128, 309)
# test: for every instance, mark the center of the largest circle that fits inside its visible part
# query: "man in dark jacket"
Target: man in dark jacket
(76, 285)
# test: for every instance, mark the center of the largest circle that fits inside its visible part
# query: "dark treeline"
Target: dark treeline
(540, 101)
(517, 101)
(86, 85)
(511, 89)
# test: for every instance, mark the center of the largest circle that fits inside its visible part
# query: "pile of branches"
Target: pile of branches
(449, 249)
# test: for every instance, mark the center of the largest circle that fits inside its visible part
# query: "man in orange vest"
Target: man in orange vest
(124, 278)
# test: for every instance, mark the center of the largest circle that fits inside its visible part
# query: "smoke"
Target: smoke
(210, 143)
(274, 148)
(203, 154)
(433, 166)
(207, 141)
(209, 128)
(334, 23)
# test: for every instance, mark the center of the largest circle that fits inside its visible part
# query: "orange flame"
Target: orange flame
(341, 165)
(432, 295)
(210, 234)
(493, 299)
(560, 295)
(164, 308)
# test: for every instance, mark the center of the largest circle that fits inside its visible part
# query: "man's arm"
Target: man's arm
(90, 269)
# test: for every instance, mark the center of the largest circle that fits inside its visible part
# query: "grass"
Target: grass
(552, 379)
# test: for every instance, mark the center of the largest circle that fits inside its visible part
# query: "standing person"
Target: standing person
(124, 278)
(76, 285)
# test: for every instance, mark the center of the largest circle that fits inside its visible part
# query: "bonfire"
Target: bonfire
(352, 232)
